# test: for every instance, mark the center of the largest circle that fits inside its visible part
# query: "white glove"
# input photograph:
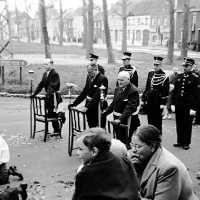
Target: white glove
(162, 106)
(192, 112)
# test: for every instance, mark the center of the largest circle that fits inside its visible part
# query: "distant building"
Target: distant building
(194, 24)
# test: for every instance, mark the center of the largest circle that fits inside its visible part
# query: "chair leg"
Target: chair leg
(45, 131)
(34, 128)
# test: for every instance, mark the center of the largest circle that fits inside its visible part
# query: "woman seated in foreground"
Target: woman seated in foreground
(162, 176)
(103, 175)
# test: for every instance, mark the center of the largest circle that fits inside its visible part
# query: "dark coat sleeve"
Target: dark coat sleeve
(131, 106)
(83, 94)
(148, 86)
(165, 91)
(40, 85)
(134, 79)
(53, 84)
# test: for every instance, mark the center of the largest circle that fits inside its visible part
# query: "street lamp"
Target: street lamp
(31, 73)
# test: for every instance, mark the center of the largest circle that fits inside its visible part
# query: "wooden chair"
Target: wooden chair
(40, 115)
(77, 124)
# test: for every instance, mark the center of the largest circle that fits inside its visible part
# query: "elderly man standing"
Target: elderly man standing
(156, 93)
(91, 92)
(185, 100)
(124, 104)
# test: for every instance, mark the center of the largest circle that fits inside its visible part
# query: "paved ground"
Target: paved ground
(48, 169)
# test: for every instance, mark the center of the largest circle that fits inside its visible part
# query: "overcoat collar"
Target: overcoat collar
(151, 166)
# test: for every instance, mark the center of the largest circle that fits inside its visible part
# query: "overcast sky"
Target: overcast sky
(67, 4)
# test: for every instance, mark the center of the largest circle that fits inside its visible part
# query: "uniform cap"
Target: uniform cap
(188, 61)
(158, 59)
(91, 55)
(126, 55)
(123, 74)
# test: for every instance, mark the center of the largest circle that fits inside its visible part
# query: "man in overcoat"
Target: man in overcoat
(51, 83)
(91, 92)
(124, 107)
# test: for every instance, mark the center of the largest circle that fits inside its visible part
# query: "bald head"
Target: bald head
(123, 79)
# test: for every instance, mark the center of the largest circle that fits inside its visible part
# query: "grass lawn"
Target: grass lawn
(71, 72)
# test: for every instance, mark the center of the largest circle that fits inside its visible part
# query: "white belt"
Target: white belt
(117, 114)
(89, 98)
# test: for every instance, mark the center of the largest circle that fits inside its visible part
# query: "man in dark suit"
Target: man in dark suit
(129, 68)
(123, 106)
(51, 83)
(185, 101)
(103, 175)
(156, 93)
(91, 92)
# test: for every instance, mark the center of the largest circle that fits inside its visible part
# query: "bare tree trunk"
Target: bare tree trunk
(85, 24)
(8, 21)
(170, 55)
(184, 46)
(61, 25)
(124, 25)
(17, 21)
(27, 22)
(43, 22)
(90, 37)
(107, 33)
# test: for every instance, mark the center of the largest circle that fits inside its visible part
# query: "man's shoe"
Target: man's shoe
(186, 147)
(177, 145)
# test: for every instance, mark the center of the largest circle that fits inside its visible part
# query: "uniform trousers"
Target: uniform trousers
(183, 124)
(154, 116)
(4, 176)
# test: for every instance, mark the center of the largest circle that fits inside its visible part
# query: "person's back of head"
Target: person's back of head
(97, 137)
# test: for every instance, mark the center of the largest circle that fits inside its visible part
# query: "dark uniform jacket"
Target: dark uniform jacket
(51, 84)
(185, 90)
(124, 102)
(107, 177)
(156, 94)
(133, 73)
(92, 91)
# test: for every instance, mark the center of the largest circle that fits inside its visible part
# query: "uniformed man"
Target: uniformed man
(51, 83)
(92, 92)
(124, 104)
(185, 101)
(156, 93)
(197, 117)
(129, 68)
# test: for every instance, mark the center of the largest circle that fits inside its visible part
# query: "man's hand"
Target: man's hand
(84, 109)
(70, 105)
(192, 112)
(115, 122)
(32, 96)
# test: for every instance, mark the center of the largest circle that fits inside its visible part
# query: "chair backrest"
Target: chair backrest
(77, 120)
(39, 106)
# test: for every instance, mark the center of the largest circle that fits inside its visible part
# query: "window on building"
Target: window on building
(146, 21)
(128, 35)
(194, 20)
(138, 35)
